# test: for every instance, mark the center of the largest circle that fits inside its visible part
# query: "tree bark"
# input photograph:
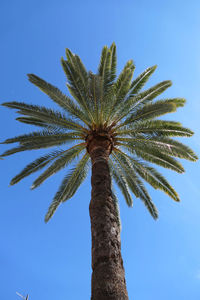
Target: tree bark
(108, 278)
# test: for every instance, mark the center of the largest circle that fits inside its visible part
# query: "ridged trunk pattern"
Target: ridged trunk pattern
(108, 278)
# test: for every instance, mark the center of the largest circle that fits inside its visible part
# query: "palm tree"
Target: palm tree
(113, 125)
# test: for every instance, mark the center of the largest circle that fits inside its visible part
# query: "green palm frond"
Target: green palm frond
(136, 101)
(123, 82)
(150, 111)
(36, 165)
(32, 146)
(107, 73)
(107, 66)
(36, 122)
(155, 128)
(104, 70)
(77, 81)
(113, 64)
(150, 94)
(156, 157)
(120, 180)
(135, 184)
(153, 177)
(120, 89)
(140, 81)
(45, 115)
(38, 140)
(179, 102)
(57, 96)
(69, 185)
(96, 96)
(62, 161)
(162, 144)
(44, 136)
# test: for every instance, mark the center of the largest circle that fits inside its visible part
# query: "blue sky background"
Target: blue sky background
(53, 261)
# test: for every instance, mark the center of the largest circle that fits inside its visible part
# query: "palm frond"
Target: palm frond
(57, 96)
(77, 81)
(120, 180)
(62, 161)
(37, 145)
(107, 73)
(45, 115)
(36, 122)
(152, 176)
(179, 102)
(163, 144)
(44, 136)
(36, 165)
(156, 157)
(141, 99)
(124, 81)
(113, 63)
(121, 89)
(69, 185)
(140, 81)
(96, 96)
(104, 67)
(155, 179)
(150, 111)
(135, 184)
(153, 128)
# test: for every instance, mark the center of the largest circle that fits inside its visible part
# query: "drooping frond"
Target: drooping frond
(156, 157)
(57, 96)
(62, 161)
(36, 165)
(135, 184)
(149, 174)
(155, 179)
(120, 180)
(69, 185)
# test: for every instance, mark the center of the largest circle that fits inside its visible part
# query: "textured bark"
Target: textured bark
(108, 278)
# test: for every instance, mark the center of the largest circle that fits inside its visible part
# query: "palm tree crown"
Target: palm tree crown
(110, 107)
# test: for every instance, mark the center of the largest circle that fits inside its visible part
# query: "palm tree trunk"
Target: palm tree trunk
(108, 278)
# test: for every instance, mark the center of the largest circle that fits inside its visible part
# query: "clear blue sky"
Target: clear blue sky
(53, 261)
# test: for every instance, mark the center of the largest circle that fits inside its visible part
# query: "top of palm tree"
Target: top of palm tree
(109, 106)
